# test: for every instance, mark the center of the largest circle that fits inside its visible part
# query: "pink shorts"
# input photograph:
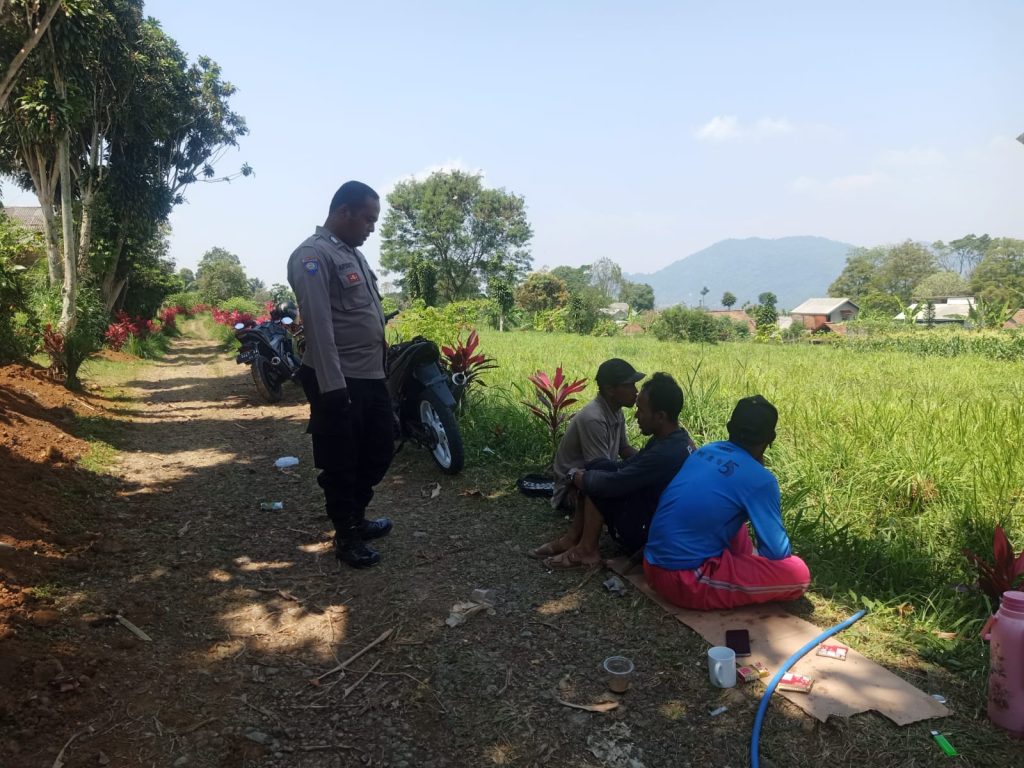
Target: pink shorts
(735, 578)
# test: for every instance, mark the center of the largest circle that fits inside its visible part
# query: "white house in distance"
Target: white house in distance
(951, 309)
(815, 314)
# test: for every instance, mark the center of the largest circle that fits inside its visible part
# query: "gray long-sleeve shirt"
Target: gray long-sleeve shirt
(653, 466)
(341, 312)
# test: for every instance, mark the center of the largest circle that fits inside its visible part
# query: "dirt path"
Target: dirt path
(248, 613)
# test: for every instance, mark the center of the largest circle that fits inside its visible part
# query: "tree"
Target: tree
(767, 299)
(188, 279)
(542, 291)
(941, 285)
(856, 278)
(464, 231)
(704, 292)
(999, 277)
(905, 265)
(280, 292)
(576, 279)
(728, 299)
(895, 269)
(606, 277)
(639, 296)
(25, 21)
(220, 276)
(500, 291)
(880, 305)
(962, 255)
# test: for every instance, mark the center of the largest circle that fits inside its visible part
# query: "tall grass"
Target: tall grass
(890, 463)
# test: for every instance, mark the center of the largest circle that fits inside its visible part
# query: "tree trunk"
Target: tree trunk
(45, 183)
(111, 287)
(68, 314)
(88, 195)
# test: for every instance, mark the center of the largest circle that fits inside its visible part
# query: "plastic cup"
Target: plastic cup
(619, 670)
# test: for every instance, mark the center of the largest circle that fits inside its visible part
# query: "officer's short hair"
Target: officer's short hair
(664, 395)
(353, 194)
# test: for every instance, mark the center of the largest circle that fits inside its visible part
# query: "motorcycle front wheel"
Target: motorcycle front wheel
(438, 417)
(272, 393)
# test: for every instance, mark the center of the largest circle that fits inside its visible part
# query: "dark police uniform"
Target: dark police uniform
(343, 324)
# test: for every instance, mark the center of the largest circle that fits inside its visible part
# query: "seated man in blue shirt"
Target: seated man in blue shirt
(699, 554)
(624, 494)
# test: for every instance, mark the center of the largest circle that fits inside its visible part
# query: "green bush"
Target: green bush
(440, 324)
(151, 347)
(187, 300)
(241, 304)
(17, 335)
(87, 336)
(693, 325)
(605, 326)
(551, 320)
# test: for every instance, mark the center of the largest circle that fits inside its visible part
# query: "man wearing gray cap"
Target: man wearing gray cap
(598, 430)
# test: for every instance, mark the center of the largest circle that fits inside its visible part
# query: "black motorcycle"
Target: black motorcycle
(423, 397)
(269, 351)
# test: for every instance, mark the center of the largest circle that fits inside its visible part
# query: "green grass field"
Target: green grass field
(890, 464)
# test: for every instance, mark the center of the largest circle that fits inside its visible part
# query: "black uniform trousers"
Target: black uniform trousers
(352, 448)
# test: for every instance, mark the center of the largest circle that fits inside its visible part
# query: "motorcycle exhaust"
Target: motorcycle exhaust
(459, 379)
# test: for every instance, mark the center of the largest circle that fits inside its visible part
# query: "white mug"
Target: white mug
(722, 666)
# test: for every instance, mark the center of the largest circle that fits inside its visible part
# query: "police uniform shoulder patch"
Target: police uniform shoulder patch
(311, 265)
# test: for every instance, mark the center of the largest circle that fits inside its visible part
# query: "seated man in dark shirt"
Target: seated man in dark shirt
(625, 494)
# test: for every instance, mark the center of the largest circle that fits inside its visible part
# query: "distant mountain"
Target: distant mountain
(793, 268)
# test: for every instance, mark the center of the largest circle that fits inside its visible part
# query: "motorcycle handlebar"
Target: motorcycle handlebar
(391, 316)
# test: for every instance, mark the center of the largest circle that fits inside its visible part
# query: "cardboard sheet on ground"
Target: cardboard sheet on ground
(841, 688)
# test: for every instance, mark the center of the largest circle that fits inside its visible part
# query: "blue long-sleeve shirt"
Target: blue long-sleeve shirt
(719, 489)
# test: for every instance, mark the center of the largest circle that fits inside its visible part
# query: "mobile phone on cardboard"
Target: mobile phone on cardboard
(739, 641)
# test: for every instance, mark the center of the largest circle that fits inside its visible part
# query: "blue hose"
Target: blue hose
(755, 738)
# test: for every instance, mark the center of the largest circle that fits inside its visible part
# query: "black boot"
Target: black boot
(353, 551)
(375, 529)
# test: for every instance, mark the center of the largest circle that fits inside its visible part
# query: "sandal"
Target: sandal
(568, 560)
(543, 552)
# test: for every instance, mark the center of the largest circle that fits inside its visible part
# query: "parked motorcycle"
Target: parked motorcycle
(268, 348)
(423, 397)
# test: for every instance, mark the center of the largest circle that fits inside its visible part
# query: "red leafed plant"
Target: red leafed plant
(555, 395)
(1003, 573)
(462, 358)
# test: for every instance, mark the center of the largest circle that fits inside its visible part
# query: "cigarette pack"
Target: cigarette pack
(748, 674)
(751, 672)
(833, 651)
(798, 683)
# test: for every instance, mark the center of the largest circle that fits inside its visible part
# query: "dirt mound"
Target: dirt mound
(47, 497)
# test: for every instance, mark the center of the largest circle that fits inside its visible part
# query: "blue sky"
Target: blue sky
(641, 132)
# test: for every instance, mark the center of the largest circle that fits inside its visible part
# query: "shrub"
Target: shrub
(188, 302)
(68, 352)
(15, 333)
(442, 325)
(694, 325)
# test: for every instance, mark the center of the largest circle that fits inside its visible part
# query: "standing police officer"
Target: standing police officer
(343, 371)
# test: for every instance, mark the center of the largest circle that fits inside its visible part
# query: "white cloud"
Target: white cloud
(719, 128)
(915, 157)
(853, 182)
(455, 164)
(729, 128)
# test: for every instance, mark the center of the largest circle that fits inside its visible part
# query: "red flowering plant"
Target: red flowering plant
(1003, 573)
(462, 361)
(231, 317)
(124, 326)
(168, 316)
(554, 396)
